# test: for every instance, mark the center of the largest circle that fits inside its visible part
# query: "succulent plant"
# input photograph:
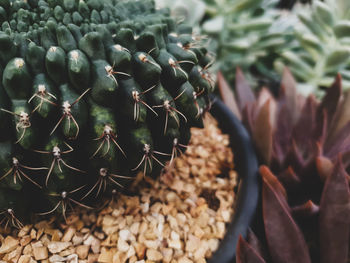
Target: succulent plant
(311, 39)
(304, 145)
(305, 233)
(295, 135)
(92, 92)
(190, 11)
(248, 34)
(321, 47)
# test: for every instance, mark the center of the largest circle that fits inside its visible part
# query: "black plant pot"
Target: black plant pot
(246, 164)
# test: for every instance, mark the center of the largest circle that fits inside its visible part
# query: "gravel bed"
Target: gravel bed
(179, 217)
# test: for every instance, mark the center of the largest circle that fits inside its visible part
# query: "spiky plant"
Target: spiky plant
(306, 144)
(92, 92)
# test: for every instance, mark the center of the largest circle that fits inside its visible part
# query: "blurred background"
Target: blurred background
(311, 37)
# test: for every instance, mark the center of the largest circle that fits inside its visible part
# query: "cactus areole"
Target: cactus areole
(91, 93)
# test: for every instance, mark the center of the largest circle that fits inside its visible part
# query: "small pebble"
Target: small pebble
(154, 255)
(180, 217)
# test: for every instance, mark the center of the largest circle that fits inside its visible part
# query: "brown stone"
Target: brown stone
(24, 259)
(106, 256)
(154, 255)
(40, 253)
(56, 247)
(82, 251)
(10, 243)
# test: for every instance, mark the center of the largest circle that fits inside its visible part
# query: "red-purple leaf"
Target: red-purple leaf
(304, 129)
(289, 179)
(284, 238)
(254, 242)
(247, 118)
(320, 130)
(289, 107)
(264, 96)
(228, 97)
(339, 143)
(330, 101)
(294, 158)
(307, 209)
(335, 217)
(341, 117)
(262, 133)
(246, 253)
(272, 180)
(282, 133)
(245, 95)
(289, 92)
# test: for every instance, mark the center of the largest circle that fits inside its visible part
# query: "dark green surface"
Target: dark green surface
(96, 88)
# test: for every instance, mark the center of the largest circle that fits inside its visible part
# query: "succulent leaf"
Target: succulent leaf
(285, 239)
(335, 216)
(246, 253)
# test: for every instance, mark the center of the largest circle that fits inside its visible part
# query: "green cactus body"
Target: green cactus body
(92, 92)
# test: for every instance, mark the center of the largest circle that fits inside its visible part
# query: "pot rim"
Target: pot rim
(246, 165)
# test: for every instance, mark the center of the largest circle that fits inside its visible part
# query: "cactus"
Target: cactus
(92, 92)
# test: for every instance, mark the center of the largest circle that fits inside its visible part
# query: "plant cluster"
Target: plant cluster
(304, 145)
(321, 46)
(311, 39)
(248, 34)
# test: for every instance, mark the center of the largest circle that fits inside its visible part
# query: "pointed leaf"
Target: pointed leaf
(307, 209)
(284, 238)
(330, 100)
(246, 253)
(341, 117)
(247, 118)
(294, 158)
(282, 133)
(255, 243)
(277, 156)
(288, 88)
(245, 95)
(272, 181)
(227, 95)
(262, 133)
(321, 129)
(289, 179)
(304, 128)
(335, 217)
(339, 143)
(265, 95)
